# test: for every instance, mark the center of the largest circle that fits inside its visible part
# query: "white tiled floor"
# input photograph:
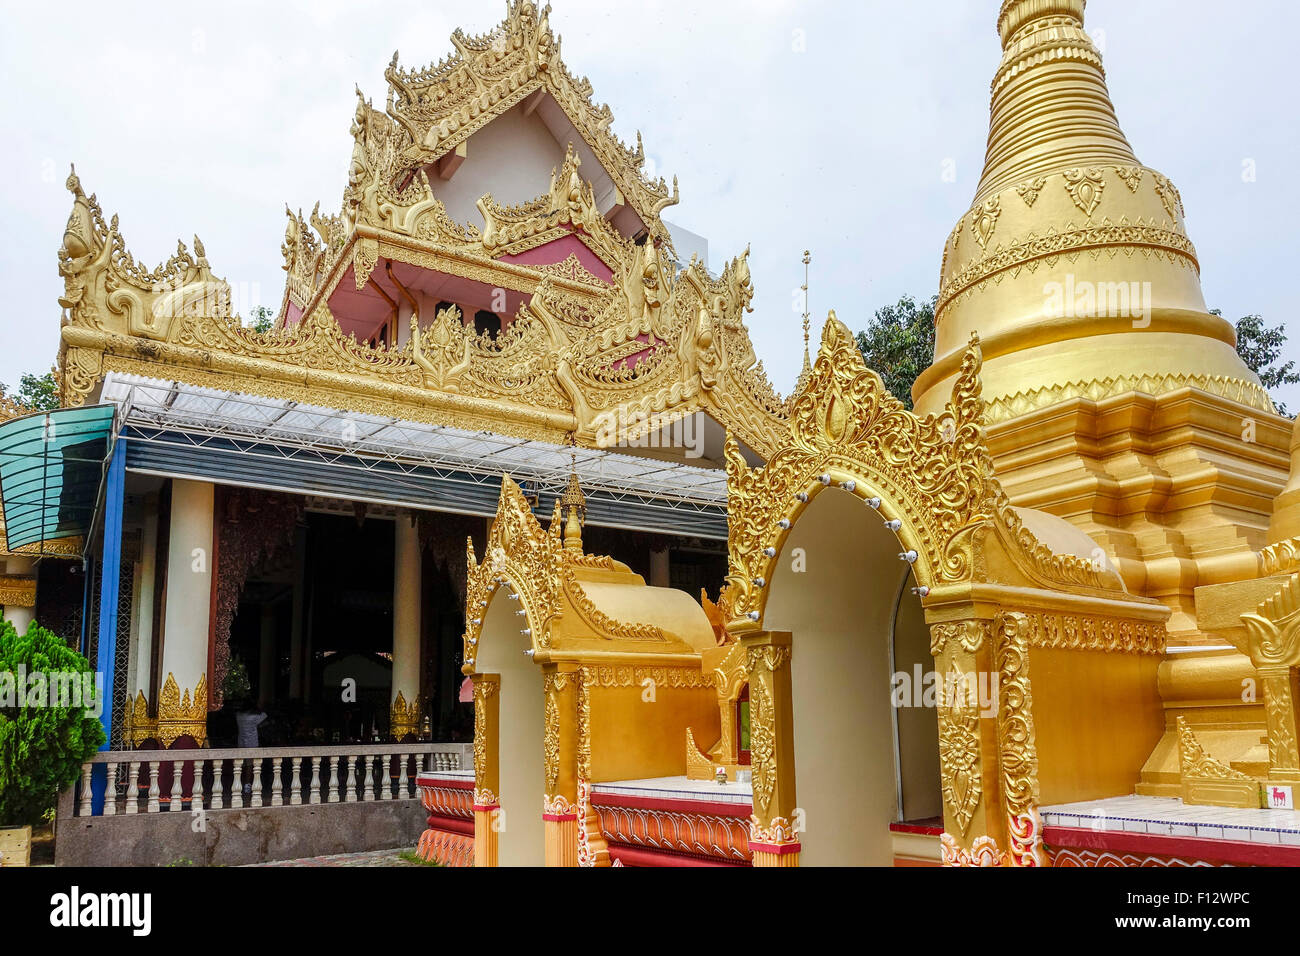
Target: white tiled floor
(680, 788)
(1169, 816)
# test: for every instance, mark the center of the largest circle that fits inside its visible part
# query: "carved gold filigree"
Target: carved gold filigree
(1195, 763)
(1130, 176)
(1029, 191)
(551, 741)
(404, 719)
(1017, 748)
(959, 751)
(986, 220)
(1151, 239)
(1085, 187)
(180, 714)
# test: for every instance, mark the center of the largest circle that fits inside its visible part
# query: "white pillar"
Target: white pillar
(189, 599)
(144, 604)
(20, 617)
(406, 619)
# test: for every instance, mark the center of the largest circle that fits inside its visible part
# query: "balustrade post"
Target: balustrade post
(85, 809)
(237, 784)
(155, 795)
(110, 791)
(402, 785)
(295, 782)
(256, 801)
(369, 783)
(314, 798)
(133, 788)
(277, 783)
(174, 803)
(352, 780)
(218, 785)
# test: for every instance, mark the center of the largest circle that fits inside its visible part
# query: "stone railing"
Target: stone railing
(161, 781)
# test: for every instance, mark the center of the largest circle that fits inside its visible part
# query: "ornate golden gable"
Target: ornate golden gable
(443, 104)
(607, 361)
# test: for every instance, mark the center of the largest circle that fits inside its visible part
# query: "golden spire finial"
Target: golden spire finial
(807, 321)
(572, 504)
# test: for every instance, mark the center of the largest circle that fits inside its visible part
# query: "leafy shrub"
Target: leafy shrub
(42, 747)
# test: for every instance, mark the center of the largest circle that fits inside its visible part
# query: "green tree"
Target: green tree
(262, 319)
(1260, 347)
(42, 747)
(899, 344)
(36, 392)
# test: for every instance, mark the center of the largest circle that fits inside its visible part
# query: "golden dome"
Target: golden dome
(1073, 263)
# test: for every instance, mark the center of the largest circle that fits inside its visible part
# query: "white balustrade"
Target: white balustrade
(227, 770)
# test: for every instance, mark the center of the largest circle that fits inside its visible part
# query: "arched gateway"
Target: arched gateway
(581, 673)
(818, 602)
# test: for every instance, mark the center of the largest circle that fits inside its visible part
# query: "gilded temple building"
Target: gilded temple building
(503, 516)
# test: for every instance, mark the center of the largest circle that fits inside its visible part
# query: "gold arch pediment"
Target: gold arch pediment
(931, 474)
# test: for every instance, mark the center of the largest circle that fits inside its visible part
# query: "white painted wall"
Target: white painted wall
(522, 727)
(840, 612)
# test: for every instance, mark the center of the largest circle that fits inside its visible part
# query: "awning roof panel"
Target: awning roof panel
(51, 466)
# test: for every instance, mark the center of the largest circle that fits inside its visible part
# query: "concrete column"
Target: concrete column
(406, 626)
(19, 617)
(189, 599)
(266, 658)
(660, 569)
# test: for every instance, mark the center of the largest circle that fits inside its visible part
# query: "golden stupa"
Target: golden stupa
(1116, 400)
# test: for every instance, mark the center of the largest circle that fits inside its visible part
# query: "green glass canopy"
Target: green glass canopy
(51, 467)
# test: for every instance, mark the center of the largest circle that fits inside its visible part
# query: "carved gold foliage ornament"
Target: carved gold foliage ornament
(1017, 748)
(1130, 176)
(986, 220)
(483, 690)
(1006, 407)
(983, 852)
(969, 635)
(959, 751)
(180, 714)
(1150, 238)
(1194, 762)
(1029, 191)
(551, 741)
(1169, 195)
(762, 743)
(1085, 187)
(404, 719)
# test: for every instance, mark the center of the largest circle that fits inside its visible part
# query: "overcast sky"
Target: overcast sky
(790, 125)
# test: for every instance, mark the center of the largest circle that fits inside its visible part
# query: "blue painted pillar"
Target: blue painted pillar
(110, 576)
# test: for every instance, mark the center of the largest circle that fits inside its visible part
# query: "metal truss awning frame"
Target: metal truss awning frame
(175, 429)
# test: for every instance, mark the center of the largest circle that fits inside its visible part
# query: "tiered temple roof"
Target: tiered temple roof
(599, 334)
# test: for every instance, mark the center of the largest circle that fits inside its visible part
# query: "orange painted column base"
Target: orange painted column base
(775, 854)
(561, 839)
(485, 834)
